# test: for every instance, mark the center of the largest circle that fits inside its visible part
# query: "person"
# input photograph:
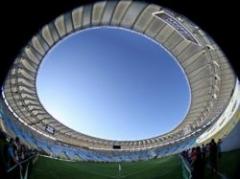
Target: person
(204, 151)
(11, 154)
(18, 147)
(213, 151)
(23, 152)
(219, 148)
(193, 154)
(197, 164)
(207, 150)
(3, 152)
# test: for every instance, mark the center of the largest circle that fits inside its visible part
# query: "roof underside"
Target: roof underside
(210, 76)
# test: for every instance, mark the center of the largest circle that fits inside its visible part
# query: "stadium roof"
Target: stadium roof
(210, 76)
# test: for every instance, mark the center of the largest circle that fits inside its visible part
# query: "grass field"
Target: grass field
(229, 164)
(165, 168)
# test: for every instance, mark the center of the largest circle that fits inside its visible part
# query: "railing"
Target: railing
(186, 168)
(20, 170)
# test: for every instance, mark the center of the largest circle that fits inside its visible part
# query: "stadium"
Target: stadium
(214, 110)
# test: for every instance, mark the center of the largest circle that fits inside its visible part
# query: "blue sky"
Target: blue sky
(114, 84)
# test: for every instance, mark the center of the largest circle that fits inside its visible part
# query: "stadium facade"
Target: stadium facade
(215, 92)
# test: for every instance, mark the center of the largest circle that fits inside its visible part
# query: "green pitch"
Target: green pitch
(168, 167)
(229, 164)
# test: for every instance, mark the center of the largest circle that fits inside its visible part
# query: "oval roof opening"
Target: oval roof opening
(113, 83)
